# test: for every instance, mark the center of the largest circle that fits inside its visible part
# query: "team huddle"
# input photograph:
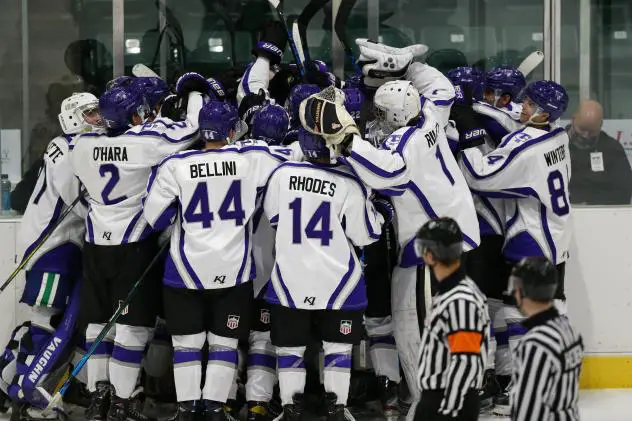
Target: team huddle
(263, 227)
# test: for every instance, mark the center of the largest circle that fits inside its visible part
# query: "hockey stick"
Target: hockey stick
(340, 27)
(299, 28)
(54, 403)
(297, 58)
(299, 44)
(427, 289)
(532, 61)
(140, 70)
(27, 258)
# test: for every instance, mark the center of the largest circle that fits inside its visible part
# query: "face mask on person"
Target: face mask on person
(582, 140)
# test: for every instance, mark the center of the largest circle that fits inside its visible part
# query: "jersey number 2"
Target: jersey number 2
(230, 208)
(322, 217)
(113, 171)
(559, 201)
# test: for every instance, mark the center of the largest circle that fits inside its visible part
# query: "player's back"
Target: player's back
(437, 187)
(321, 212)
(115, 170)
(216, 192)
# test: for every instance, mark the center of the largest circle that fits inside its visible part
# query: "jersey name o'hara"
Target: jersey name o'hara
(110, 153)
(218, 169)
(314, 185)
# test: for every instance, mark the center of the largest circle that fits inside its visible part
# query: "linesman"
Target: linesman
(456, 332)
(548, 358)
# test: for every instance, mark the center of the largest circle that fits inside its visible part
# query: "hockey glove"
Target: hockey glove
(250, 104)
(272, 43)
(471, 132)
(384, 208)
(217, 90)
(172, 108)
(317, 74)
(327, 118)
(381, 63)
(192, 82)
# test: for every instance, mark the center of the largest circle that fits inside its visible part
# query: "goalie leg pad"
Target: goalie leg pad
(8, 360)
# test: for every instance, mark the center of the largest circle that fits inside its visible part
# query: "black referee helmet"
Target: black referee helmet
(536, 277)
(442, 237)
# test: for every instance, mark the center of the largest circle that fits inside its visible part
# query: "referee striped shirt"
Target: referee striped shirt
(547, 362)
(454, 342)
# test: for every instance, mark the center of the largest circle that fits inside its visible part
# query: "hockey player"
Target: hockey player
(415, 167)
(270, 124)
(213, 194)
(53, 273)
(115, 167)
(155, 91)
(531, 170)
(320, 211)
(297, 95)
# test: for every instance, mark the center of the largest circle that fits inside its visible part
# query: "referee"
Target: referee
(456, 332)
(548, 358)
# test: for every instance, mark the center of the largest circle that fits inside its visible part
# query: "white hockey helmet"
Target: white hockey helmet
(397, 102)
(73, 112)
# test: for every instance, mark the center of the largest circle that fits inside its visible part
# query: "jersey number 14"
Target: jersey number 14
(322, 217)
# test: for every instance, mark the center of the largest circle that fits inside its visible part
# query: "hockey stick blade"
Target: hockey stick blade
(300, 47)
(54, 402)
(340, 27)
(306, 16)
(274, 3)
(140, 70)
(27, 258)
(532, 61)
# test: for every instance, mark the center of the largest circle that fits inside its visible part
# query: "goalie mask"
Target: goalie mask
(79, 113)
(396, 103)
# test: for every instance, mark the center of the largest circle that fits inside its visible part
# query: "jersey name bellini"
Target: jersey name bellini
(109, 153)
(218, 169)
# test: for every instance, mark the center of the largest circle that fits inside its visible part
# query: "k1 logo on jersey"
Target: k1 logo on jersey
(232, 322)
(345, 327)
(264, 316)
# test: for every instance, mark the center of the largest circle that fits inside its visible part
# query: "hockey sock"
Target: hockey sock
(261, 367)
(508, 331)
(127, 355)
(382, 347)
(98, 364)
(221, 370)
(292, 374)
(338, 369)
(187, 365)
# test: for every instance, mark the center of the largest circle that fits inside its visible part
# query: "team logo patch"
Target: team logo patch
(264, 317)
(345, 327)
(232, 322)
(125, 310)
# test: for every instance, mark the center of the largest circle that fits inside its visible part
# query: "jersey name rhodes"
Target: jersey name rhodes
(312, 185)
(110, 153)
(555, 156)
(218, 169)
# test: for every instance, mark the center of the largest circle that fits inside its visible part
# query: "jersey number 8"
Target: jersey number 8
(559, 201)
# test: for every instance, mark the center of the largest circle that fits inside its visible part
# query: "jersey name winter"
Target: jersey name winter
(415, 167)
(115, 171)
(56, 188)
(213, 194)
(532, 167)
(320, 212)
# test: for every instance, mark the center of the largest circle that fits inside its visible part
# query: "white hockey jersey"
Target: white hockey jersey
(213, 194)
(532, 166)
(256, 77)
(115, 171)
(56, 189)
(498, 122)
(435, 89)
(320, 212)
(415, 167)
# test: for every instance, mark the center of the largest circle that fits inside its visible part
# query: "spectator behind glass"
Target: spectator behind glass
(600, 170)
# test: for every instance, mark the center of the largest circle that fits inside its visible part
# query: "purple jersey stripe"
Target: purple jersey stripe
(290, 361)
(186, 356)
(337, 360)
(262, 360)
(126, 355)
(229, 356)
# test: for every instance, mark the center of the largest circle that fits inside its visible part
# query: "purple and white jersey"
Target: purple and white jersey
(213, 196)
(256, 77)
(498, 122)
(436, 89)
(320, 213)
(115, 171)
(417, 169)
(532, 168)
(56, 189)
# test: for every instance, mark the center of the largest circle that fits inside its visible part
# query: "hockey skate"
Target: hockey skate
(336, 411)
(127, 410)
(490, 389)
(186, 411)
(5, 402)
(501, 402)
(258, 411)
(99, 402)
(389, 397)
(216, 411)
(293, 411)
(25, 412)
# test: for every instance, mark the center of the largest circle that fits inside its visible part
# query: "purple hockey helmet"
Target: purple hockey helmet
(312, 145)
(270, 124)
(353, 81)
(217, 119)
(154, 89)
(506, 80)
(299, 93)
(549, 96)
(469, 76)
(119, 104)
(354, 98)
(121, 81)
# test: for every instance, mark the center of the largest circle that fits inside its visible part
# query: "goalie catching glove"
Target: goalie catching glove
(381, 63)
(325, 115)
